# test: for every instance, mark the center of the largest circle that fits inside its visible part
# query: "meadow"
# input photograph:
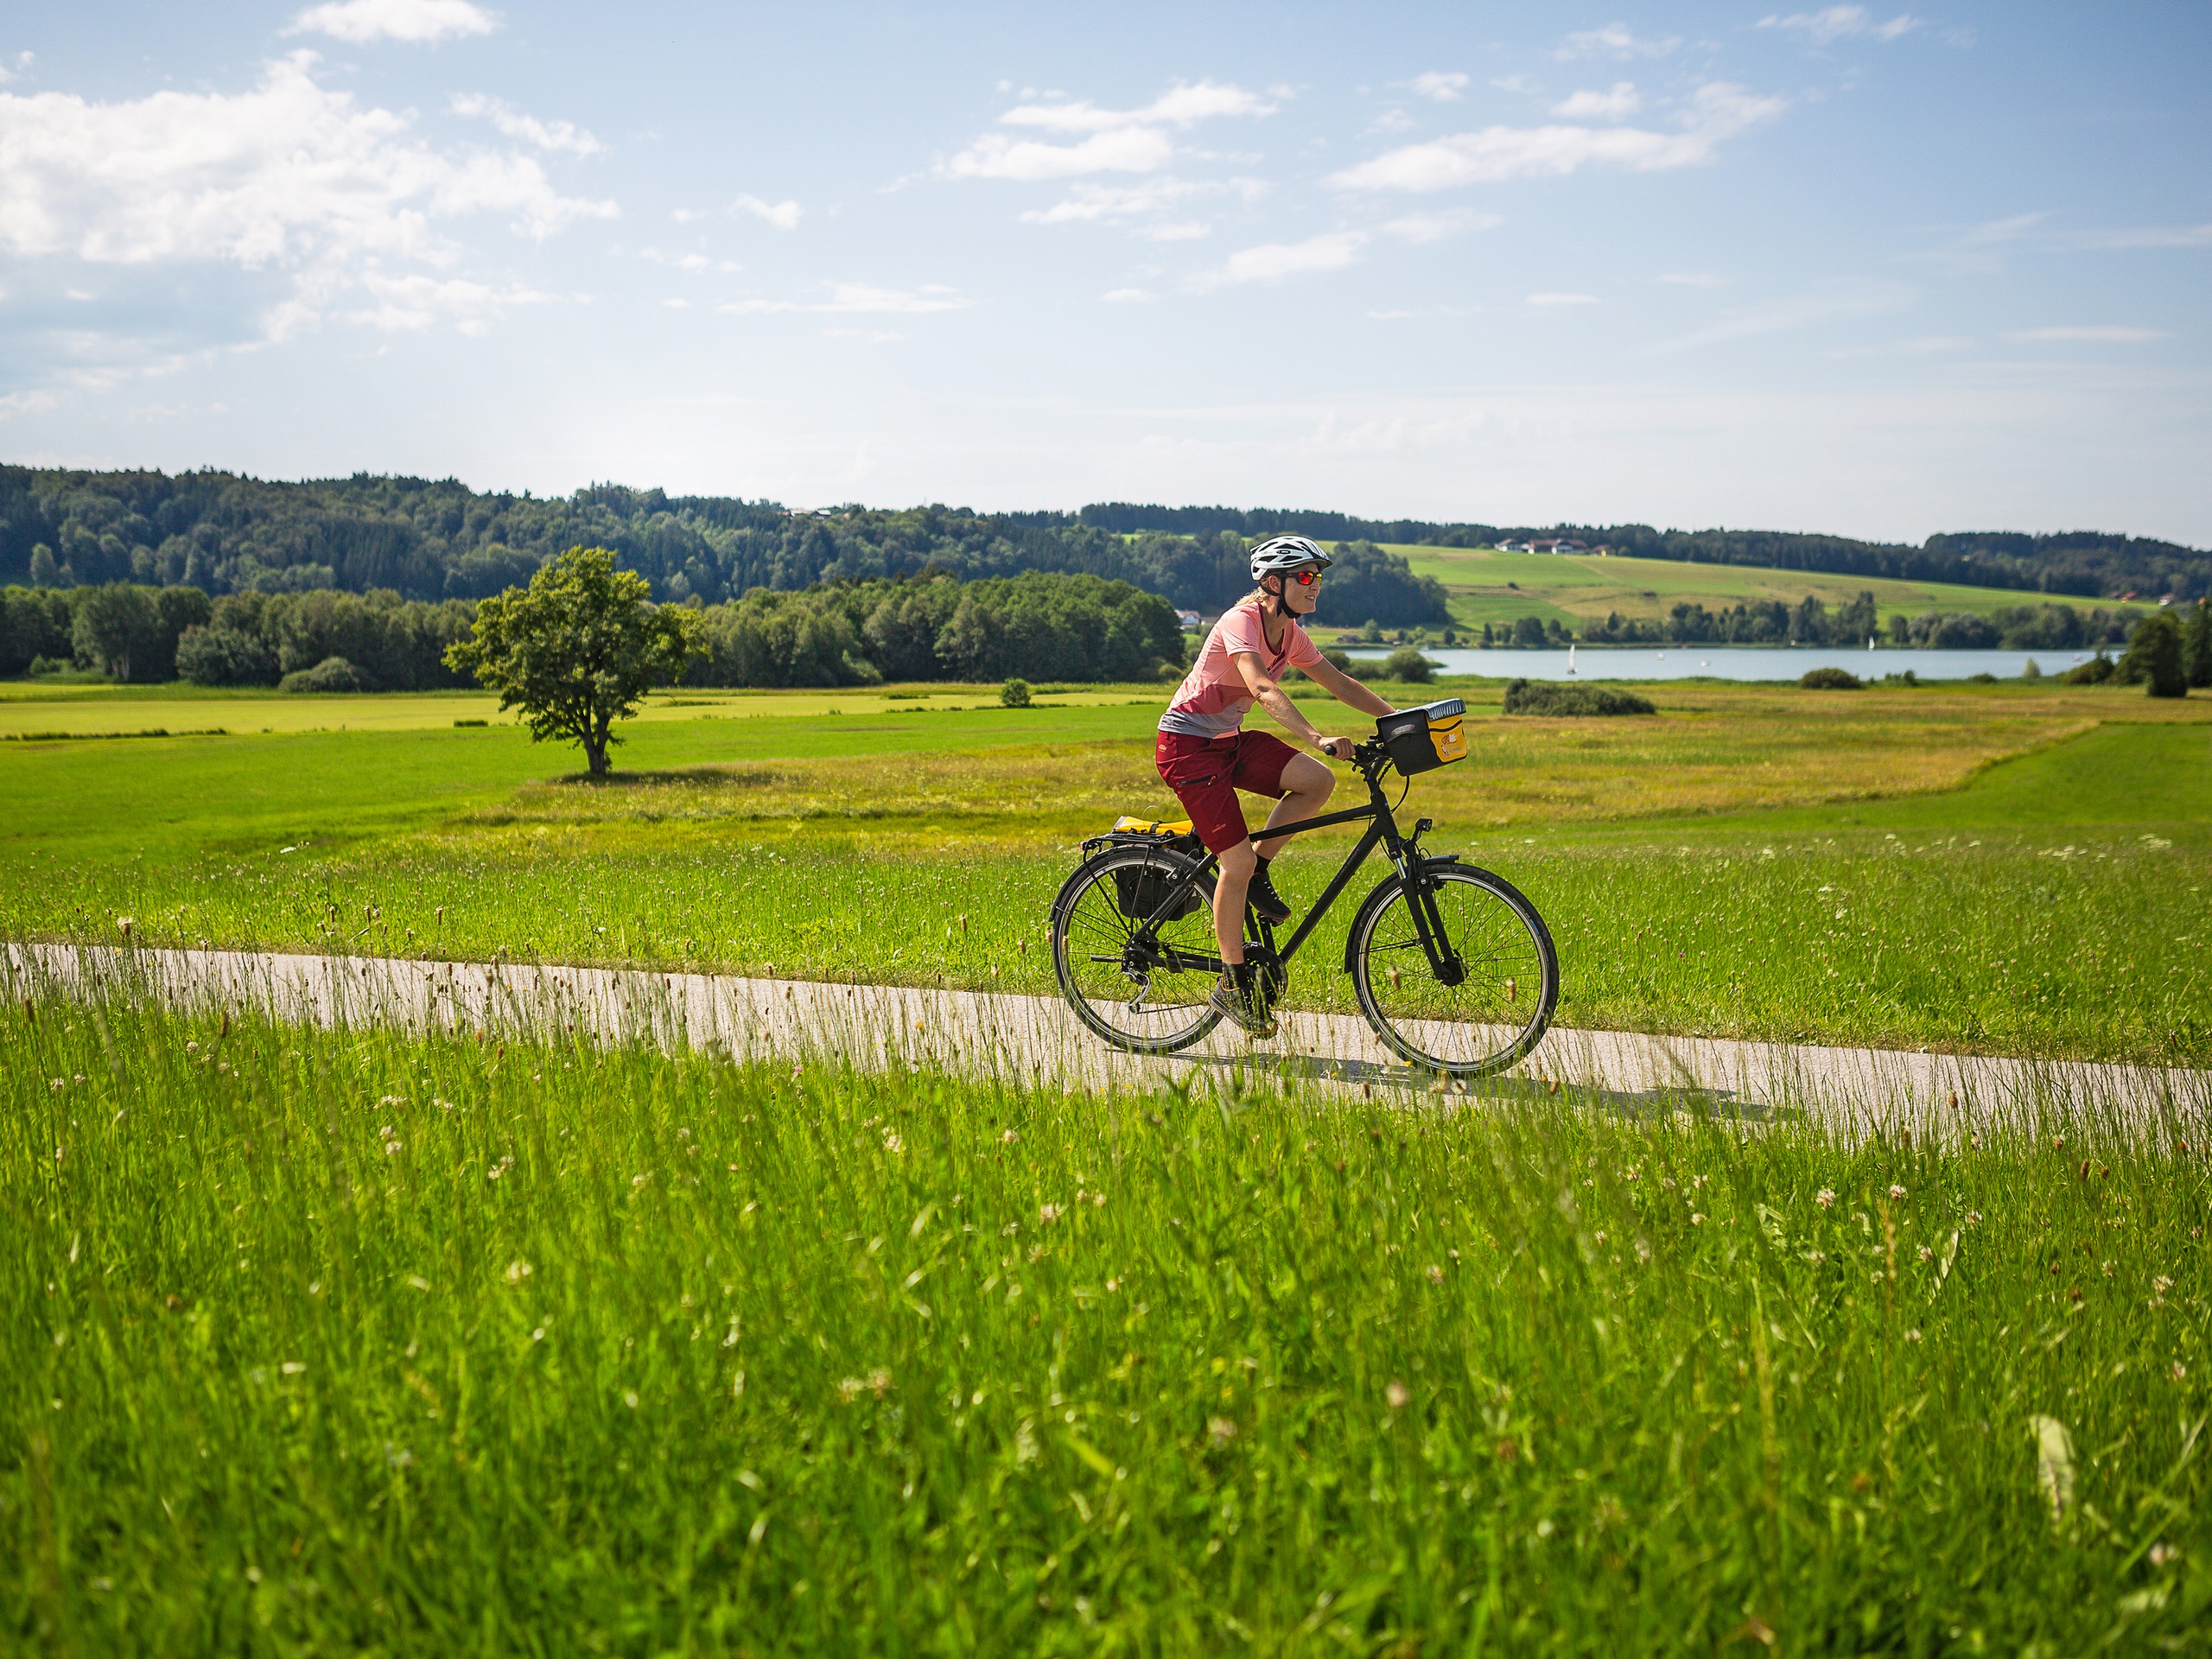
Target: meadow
(354, 1341)
(2014, 868)
(1485, 585)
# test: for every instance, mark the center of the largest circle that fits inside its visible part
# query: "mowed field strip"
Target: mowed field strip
(1036, 1041)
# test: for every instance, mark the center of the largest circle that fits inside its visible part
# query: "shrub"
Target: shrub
(1339, 660)
(1408, 665)
(1829, 679)
(223, 655)
(2032, 670)
(1014, 694)
(1544, 697)
(2095, 671)
(331, 674)
(2155, 656)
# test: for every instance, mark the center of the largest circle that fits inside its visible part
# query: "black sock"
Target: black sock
(1264, 862)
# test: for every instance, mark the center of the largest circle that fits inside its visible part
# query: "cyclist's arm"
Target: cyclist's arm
(1271, 697)
(1344, 688)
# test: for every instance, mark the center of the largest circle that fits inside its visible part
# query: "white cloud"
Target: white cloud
(363, 20)
(1693, 279)
(1131, 204)
(1181, 106)
(1419, 228)
(1618, 105)
(546, 134)
(1119, 141)
(288, 176)
(1550, 301)
(1614, 41)
(2090, 334)
(784, 215)
(697, 264)
(416, 302)
(1128, 149)
(1717, 111)
(1129, 297)
(1829, 302)
(1443, 87)
(2155, 236)
(24, 60)
(1833, 23)
(1274, 261)
(1090, 204)
(863, 298)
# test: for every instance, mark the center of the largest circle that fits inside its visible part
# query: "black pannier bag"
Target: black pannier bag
(1138, 893)
(1423, 739)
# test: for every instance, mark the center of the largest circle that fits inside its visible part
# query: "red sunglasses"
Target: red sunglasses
(1303, 578)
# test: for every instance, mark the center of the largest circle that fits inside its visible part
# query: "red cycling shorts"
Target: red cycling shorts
(1206, 773)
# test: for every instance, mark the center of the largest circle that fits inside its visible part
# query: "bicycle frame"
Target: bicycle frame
(1382, 830)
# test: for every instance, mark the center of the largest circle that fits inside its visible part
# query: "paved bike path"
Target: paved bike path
(1038, 1039)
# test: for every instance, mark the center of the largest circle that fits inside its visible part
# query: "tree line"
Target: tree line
(1811, 622)
(435, 540)
(133, 632)
(929, 628)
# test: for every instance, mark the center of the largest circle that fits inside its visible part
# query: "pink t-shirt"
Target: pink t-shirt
(1211, 701)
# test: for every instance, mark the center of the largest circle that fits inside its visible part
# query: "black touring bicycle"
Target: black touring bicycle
(1453, 969)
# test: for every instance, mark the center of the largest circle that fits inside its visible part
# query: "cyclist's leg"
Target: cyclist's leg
(1234, 880)
(1304, 787)
(1201, 774)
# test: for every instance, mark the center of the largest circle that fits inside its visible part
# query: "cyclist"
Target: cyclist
(1205, 757)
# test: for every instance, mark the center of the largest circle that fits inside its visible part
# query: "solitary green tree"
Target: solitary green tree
(2199, 664)
(2154, 653)
(577, 649)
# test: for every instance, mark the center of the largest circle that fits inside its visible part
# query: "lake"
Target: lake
(1730, 662)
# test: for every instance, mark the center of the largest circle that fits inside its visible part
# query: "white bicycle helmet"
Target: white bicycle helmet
(1280, 553)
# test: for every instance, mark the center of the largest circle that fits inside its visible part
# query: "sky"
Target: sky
(1865, 269)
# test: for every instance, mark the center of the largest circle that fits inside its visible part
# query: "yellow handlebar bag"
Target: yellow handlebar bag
(1423, 739)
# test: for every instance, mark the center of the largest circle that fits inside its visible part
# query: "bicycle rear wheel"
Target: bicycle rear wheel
(1501, 1008)
(1124, 975)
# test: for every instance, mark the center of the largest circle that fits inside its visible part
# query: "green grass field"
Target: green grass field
(1868, 867)
(1488, 586)
(353, 1341)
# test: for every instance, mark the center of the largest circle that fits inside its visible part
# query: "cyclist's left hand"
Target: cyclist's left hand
(1338, 749)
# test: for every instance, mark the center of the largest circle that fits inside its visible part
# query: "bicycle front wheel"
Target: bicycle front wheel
(1509, 984)
(1131, 979)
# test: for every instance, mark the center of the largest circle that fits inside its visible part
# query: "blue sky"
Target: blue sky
(1863, 269)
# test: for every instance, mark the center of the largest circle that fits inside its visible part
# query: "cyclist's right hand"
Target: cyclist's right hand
(1337, 748)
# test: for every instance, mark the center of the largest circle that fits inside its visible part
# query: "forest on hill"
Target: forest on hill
(431, 541)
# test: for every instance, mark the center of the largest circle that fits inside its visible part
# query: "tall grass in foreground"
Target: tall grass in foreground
(324, 1341)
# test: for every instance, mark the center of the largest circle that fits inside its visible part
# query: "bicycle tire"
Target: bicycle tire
(1086, 905)
(1464, 1030)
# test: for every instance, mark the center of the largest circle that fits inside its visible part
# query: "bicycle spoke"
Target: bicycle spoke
(1121, 974)
(1500, 1007)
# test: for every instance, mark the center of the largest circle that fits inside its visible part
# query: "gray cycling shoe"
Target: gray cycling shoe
(1236, 996)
